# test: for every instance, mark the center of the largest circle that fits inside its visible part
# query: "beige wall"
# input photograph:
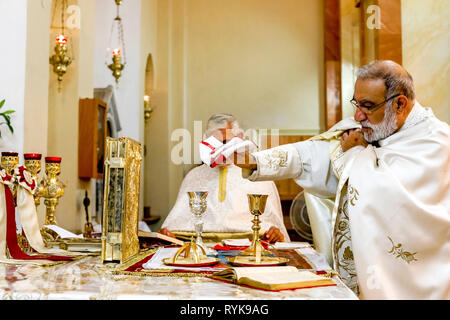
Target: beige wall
(63, 119)
(426, 52)
(350, 53)
(261, 60)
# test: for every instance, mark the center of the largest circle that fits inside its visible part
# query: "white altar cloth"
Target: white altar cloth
(87, 279)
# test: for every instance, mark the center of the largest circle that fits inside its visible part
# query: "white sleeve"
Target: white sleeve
(307, 162)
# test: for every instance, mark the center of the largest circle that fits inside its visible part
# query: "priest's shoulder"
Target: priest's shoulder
(198, 169)
(439, 129)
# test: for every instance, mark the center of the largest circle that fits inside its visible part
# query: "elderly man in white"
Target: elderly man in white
(386, 174)
(227, 207)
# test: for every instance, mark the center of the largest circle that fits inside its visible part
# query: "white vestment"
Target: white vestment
(390, 224)
(227, 203)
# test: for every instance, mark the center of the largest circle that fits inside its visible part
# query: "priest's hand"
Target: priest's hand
(273, 235)
(166, 232)
(244, 160)
(352, 138)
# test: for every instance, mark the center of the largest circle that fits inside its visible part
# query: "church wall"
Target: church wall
(13, 16)
(129, 90)
(259, 60)
(63, 118)
(426, 52)
(157, 133)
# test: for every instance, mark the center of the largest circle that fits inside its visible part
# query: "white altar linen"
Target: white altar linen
(89, 279)
(156, 262)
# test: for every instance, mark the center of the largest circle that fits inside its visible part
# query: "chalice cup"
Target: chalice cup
(198, 204)
(257, 204)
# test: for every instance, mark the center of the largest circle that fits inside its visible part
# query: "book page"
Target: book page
(63, 233)
(157, 235)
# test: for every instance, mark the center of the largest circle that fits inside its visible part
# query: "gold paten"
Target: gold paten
(120, 240)
(246, 261)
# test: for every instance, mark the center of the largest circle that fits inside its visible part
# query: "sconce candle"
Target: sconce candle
(61, 39)
(116, 52)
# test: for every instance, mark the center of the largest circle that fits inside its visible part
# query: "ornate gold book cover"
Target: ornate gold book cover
(120, 239)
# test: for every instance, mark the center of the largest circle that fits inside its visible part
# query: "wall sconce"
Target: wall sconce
(119, 49)
(147, 108)
(60, 60)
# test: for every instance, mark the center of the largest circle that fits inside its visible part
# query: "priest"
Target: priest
(387, 174)
(227, 214)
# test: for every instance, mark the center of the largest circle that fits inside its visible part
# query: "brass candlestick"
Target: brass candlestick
(88, 227)
(10, 161)
(33, 164)
(257, 204)
(53, 188)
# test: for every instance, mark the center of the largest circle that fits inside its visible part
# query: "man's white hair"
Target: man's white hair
(220, 121)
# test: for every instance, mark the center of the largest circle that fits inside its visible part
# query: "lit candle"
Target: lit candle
(146, 98)
(116, 52)
(61, 39)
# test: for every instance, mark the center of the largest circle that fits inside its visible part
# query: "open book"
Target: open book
(273, 278)
(159, 236)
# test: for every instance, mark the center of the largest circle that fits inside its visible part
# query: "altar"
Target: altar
(89, 279)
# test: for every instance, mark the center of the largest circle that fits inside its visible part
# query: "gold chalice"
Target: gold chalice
(256, 255)
(257, 204)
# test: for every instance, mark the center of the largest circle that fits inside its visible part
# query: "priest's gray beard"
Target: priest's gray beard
(383, 129)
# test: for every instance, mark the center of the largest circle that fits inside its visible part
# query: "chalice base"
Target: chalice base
(255, 249)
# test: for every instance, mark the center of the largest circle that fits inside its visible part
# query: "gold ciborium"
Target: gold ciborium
(33, 164)
(257, 204)
(10, 161)
(52, 188)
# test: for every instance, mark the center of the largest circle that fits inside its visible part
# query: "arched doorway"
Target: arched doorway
(148, 109)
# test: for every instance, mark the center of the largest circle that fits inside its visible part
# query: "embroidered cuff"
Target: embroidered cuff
(278, 163)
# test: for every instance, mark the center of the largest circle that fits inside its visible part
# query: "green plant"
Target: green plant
(7, 116)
